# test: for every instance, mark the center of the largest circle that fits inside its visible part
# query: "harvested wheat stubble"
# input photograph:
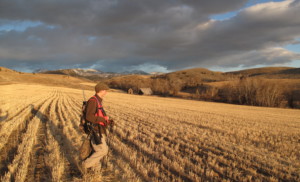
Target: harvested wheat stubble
(155, 139)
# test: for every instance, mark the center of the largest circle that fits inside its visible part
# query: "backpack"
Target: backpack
(86, 148)
(83, 126)
(88, 128)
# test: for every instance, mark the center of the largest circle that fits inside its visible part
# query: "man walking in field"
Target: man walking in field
(98, 121)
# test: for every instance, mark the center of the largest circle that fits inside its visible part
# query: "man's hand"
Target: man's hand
(81, 128)
(111, 122)
(106, 122)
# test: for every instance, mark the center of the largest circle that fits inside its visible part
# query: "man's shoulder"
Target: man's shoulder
(91, 104)
(95, 98)
(92, 100)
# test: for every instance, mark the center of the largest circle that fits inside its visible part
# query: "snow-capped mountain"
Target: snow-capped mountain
(86, 72)
(135, 72)
(40, 70)
(91, 74)
(72, 72)
(156, 73)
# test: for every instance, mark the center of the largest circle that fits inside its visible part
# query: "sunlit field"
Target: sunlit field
(154, 138)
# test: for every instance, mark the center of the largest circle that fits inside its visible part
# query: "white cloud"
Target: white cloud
(136, 34)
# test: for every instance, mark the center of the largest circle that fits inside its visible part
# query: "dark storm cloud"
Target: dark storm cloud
(256, 31)
(113, 35)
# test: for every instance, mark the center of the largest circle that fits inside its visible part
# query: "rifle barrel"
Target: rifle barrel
(83, 95)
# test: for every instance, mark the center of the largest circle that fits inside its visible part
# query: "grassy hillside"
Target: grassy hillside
(270, 72)
(70, 72)
(193, 77)
(171, 83)
(8, 76)
(196, 74)
(3, 69)
(292, 71)
(251, 87)
(270, 86)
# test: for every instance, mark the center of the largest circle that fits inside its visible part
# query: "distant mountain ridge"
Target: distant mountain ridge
(195, 73)
(156, 73)
(91, 74)
(87, 71)
(135, 72)
(71, 72)
(40, 70)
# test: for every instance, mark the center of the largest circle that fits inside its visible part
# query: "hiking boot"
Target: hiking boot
(83, 167)
(97, 168)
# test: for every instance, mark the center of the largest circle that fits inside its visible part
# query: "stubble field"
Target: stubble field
(155, 139)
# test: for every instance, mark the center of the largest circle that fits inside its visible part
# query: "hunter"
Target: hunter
(99, 121)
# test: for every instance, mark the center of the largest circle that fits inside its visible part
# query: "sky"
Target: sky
(164, 36)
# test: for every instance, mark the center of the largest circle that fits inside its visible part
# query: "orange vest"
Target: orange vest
(100, 111)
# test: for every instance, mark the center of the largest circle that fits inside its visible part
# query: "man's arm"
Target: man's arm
(91, 109)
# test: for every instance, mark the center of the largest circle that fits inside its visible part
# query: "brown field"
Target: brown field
(155, 139)
(8, 76)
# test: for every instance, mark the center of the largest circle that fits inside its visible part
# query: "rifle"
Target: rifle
(83, 123)
(84, 98)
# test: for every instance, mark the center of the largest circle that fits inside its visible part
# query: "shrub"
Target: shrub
(252, 91)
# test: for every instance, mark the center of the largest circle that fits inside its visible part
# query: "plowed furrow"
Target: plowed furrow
(67, 148)
(38, 169)
(68, 115)
(19, 167)
(10, 147)
(12, 125)
(214, 151)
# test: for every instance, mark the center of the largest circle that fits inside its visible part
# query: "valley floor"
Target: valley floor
(155, 139)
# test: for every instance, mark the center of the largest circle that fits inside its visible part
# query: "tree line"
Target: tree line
(244, 90)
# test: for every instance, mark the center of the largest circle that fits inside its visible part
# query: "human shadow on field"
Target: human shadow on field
(34, 112)
(2, 118)
(66, 146)
(10, 149)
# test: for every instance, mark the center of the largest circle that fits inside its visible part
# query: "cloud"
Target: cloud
(126, 34)
(253, 31)
(268, 56)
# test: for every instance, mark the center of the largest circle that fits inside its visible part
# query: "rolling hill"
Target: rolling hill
(3, 69)
(192, 76)
(196, 83)
(196, 75)
(270, 72)
(8, 76)
(92, 74)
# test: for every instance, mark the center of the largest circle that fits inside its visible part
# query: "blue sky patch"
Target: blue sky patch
(19, 25)
(228, 15)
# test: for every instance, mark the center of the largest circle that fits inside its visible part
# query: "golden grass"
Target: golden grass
(155, 139)
(45, 79)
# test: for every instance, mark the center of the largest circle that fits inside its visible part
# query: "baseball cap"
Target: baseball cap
(101, 86)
